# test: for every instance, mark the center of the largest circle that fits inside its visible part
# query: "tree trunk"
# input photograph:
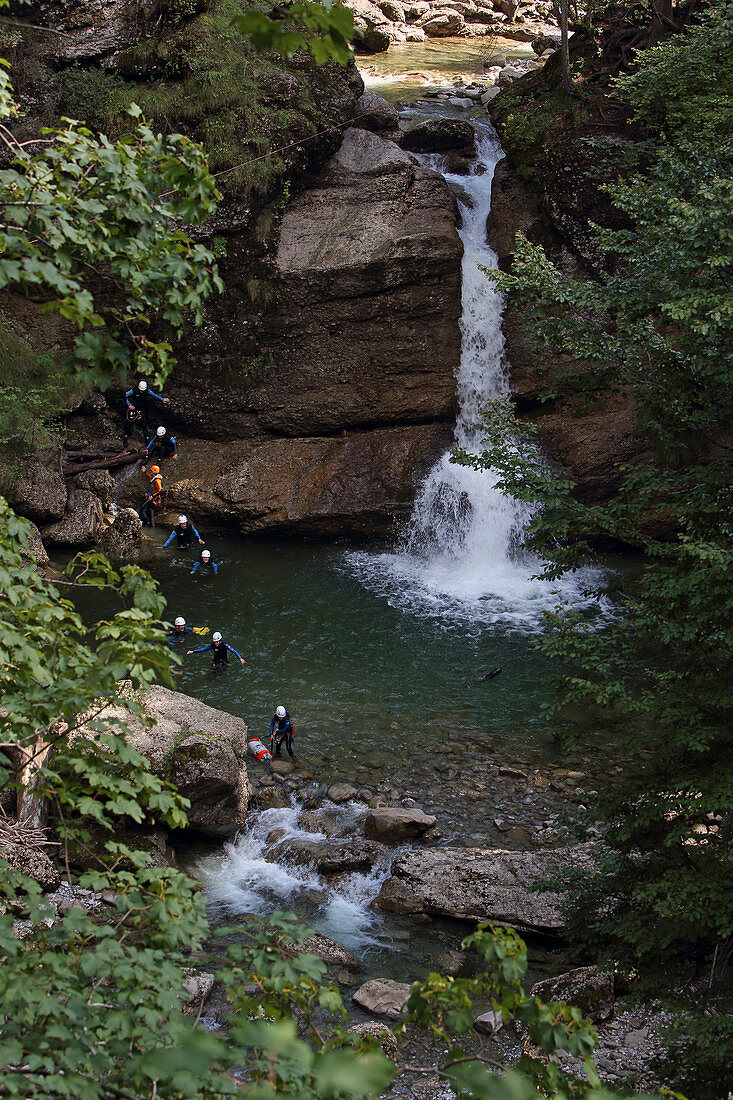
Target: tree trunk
(567, 80)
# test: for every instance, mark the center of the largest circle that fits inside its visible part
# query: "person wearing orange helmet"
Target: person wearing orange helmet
(153, 495)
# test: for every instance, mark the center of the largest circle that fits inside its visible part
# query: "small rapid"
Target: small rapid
(461, 555)
(253, 874)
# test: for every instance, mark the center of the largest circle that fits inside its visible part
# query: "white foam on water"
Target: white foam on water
(240, 880)
(461, 556)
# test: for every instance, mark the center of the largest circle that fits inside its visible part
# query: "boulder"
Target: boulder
(203, 751)
(507, 7)
(371, 27)
(508, 75)
(477, 884)
(383, 997)
(441, 135)
(81, 526)
(123, 539)
(390, 824)
(384, 1037)
(332, 953)
(28, 860)
(376, 114)
(446, 24)
(329, 857)
(99, 482)
(35, 549)
(545, 42)
(587, 988)
(488, 1023)
(85, 30)
(393, 10)
(35, 492)
(341, 792)
(199, 985)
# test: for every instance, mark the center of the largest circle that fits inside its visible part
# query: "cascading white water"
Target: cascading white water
(462, 554)
(242, 880)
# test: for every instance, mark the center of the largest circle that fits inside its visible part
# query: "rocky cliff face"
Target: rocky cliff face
(379, 24)
(548, 190)
(321, 386)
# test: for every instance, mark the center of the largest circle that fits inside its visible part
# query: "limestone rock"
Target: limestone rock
(488, 1023)
(332, 953)
(79, 527)
(123, 540)
(35, 492)
(202, 750)
(587, 988)
(341, 792)
(391, 824)
(445, 24)
(440, 135)
(329, 857)
(383, 997)
(478, 884)
(199, 985)
(31, 861)
(99, 482)
(545, 42)
(36, 550)
(380, 1032)
(371, 27)
(91, 29)
(376, 114)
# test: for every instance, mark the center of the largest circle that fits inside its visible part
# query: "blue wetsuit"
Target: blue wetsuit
(183, 534)
(281, 730)
(140, 403)
(165, 446)
(211, 565)
(220, 653)
(177, 635)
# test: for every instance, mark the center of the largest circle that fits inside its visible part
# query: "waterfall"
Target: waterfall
(461, 555)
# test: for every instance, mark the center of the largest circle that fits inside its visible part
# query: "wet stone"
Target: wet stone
(341, 792)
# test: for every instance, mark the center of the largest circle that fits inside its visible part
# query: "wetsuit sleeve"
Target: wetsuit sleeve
(149, 446)
(216, 570)
(175, 446)
(155, 395)
(196, 564)
(169, 540)
(128, 395)
(201, 649)
(233, 650)
(272, 728)
(196, 534)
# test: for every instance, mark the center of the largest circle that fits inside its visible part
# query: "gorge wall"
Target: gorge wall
(320, 386)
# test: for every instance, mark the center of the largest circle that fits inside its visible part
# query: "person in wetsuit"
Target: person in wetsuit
(183, 532)
(139, 407)
(205, 562)
(153, 496)
(179, 631)
(162, 445)
(282, 731)
(220, 651)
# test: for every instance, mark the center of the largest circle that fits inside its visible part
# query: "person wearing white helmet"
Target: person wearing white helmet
(219, 651)
(179, 630)
(162, 445)
(138, 406)
(282, 731)
(206, 563)
(183, 532)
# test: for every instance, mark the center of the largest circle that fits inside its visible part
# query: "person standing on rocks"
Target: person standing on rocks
(162, 445)
(183, 532)
(205, 562)
(220, 652)
(138, 406)
(153, 496)
(282, 731)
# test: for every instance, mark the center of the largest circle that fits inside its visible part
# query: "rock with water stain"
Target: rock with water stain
(383, 997)
(440, 135)
(81, 525)
(341, 792)
(478, 884)
(329, 857)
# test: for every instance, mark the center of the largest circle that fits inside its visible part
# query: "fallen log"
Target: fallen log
(105, 462)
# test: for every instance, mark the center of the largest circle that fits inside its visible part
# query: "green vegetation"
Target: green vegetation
(33, 393)
(659, 328)
(216, 86)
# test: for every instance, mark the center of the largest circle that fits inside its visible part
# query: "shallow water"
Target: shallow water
(402, 73)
